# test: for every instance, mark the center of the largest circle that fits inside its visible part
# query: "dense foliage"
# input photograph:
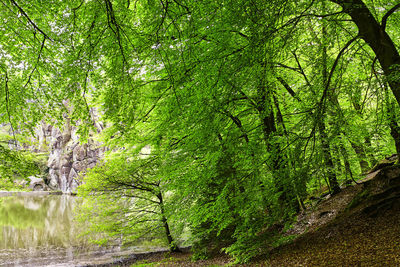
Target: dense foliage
(247, 106)
(125, 198)
(15, 167)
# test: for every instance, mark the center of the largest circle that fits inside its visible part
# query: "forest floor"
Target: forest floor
(181, 259)
(367, 234)
(360, 226)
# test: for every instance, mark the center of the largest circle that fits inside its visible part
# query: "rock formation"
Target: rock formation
(36, 184)
(68, 157)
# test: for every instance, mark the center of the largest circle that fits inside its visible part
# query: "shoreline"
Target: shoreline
(33, 193)
(153, 256)
(125, 260)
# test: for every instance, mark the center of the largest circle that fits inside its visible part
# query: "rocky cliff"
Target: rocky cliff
(67, 156)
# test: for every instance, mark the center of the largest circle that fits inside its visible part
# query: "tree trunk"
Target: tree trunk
(394, 126)
(349, 173)
(370, 154)
(360, 152)
(378, 39)
(278, 159)
(332, 179)
(333, 183)
(172, 246)
(359, 149)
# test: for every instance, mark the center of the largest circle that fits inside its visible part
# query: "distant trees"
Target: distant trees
(16, 166)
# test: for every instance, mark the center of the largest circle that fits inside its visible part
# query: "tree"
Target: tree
(376, 36)
(16, 165)
(125, 198)
(378, 39)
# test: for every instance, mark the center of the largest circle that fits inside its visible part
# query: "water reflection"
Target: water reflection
(28, 222)
(40, 230)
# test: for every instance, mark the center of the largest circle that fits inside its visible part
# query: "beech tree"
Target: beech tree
(125, 198)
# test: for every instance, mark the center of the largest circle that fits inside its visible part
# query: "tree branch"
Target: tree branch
(8, 105)
(388, 14)
(37, 62)
(29, 19)
(287, 87)
(302, 70)
(334, 67)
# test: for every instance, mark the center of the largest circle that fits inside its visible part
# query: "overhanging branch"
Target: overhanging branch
(29, 19)
(334, 67)
(388, 14)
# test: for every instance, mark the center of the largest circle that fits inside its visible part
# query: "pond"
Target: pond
(40, 230)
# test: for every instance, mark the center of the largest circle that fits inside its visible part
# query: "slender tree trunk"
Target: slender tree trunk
(370, 154)
(358, 149)
(278, 159)
(363, 155)
(330, 168)
(172, 246)
(332, 179)
(349, 173)
(394, 126)
(336, 160)
(360, 152)
(267, 119)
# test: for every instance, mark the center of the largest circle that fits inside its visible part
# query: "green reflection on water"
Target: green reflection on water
(41, 221)
(14, 212)
(42, 231)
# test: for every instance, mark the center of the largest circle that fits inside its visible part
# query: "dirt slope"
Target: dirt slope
(358, 227)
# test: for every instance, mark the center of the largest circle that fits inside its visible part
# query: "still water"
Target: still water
(40, 230)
